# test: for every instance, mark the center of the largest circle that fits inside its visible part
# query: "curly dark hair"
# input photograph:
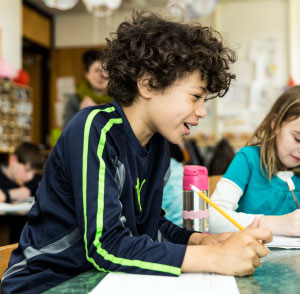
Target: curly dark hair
(167, 51)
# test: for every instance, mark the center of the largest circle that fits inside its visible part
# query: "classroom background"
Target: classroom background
(42, 42)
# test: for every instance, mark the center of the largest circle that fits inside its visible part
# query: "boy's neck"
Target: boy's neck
(137, 120)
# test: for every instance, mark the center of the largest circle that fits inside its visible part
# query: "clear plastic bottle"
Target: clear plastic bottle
(195, 214)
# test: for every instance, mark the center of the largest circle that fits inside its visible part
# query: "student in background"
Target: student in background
(172, 196)
(99, 203)
(17, 178)
(255, 182)
(92, 90)
(222, 157)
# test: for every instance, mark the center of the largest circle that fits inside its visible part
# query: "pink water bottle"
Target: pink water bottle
(195, 214)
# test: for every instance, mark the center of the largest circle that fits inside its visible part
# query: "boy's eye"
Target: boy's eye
(198, 96)
(297, 140)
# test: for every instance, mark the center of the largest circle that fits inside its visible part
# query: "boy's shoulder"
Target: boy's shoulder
(99, 115)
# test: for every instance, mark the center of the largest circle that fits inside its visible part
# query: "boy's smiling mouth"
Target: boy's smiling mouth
(187, 127)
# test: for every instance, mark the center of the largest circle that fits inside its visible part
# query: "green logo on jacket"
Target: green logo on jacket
(138, 190)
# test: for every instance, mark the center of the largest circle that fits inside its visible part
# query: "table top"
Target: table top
(279, 273)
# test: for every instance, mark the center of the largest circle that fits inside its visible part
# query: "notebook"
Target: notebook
(284, 242)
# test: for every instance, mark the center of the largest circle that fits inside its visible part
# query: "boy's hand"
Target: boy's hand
(206, 239)
(240, 254)
(237, 255)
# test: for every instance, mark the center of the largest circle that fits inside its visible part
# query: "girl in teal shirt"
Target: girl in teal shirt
(255, 184)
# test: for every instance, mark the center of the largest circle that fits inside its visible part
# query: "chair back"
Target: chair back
(213, 180)
(5, 252)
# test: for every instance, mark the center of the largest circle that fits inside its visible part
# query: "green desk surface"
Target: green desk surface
(279, 273)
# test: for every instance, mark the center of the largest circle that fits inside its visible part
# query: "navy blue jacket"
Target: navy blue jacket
(99, 205)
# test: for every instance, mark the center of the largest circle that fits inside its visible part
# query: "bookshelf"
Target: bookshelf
(15, 114)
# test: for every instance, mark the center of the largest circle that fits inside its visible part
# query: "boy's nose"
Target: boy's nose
(201, 111)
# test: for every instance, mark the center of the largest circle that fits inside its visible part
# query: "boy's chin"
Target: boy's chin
(175, 140)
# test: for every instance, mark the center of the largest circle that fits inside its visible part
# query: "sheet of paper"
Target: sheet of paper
(18, 207)
(208, 283)
(285, 242)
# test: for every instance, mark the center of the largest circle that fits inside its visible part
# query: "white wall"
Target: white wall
(242, 23)
(250, 20)
(78, 30)
(10, 24)
(294, 39)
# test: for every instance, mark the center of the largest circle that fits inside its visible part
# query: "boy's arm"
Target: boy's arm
(174, 233)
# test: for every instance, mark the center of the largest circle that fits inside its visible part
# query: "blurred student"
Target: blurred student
(17, 178)
(255, 182)
(172, 195)
(92, 90)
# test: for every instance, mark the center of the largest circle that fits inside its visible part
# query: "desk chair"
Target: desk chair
(5, 252)
(213, 180)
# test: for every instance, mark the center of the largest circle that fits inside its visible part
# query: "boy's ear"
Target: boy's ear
(144, 87)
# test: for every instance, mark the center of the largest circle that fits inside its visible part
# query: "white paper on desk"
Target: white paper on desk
(208, 283)
(18, 207)
(285, 242)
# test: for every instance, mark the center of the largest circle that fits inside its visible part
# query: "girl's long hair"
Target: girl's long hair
(285, 109)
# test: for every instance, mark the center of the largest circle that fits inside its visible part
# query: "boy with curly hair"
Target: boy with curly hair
(99, 204)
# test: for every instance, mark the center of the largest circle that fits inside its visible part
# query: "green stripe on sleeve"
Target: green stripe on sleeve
(86, 134)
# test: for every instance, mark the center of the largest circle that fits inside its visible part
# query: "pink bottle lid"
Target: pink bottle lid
(195, 175)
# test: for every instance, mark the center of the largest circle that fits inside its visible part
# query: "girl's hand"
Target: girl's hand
(291, 223)
(286, 225)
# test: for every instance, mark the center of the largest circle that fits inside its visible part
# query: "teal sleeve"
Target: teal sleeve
(239, 170)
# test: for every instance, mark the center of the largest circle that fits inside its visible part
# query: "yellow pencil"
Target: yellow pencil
(208, 200)
(202, 195)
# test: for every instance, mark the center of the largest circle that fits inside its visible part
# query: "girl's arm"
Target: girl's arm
(227, 196)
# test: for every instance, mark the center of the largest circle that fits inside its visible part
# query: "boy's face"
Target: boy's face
(288, 143)
(95, 78)
(174, 110)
